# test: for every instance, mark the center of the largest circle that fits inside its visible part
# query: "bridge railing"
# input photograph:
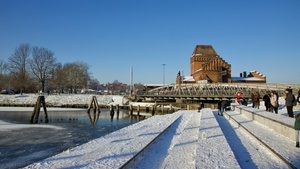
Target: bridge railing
(218, 90)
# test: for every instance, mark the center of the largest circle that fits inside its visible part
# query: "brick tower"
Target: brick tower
(207, 65)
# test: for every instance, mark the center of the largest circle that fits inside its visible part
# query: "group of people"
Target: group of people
(271, 103)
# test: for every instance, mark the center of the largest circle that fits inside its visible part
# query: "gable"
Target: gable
(216, 64)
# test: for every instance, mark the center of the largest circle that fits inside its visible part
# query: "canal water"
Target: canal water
(23, 146)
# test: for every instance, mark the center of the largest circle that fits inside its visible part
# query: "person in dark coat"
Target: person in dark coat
(267, 100)
(289, 99)
(297, 129)
(255, 99)
(298, 97)
(201, 106)
(219, 106)
(223, 107)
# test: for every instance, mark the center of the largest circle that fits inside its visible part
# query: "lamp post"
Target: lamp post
(164, 73)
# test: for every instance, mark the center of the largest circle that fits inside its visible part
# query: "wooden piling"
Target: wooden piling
(138, 110)
(112, 112)
(131, 110)
(94, 104)
(118, 110)
(36, 111)
(153, 110)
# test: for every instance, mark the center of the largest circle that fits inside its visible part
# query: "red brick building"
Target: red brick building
(208, 67)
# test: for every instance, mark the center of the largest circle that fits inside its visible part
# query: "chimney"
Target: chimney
(245, 74)
(241, 74)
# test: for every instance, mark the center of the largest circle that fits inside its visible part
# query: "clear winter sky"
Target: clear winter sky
(113, 35)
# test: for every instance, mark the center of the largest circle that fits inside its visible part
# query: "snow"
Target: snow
(185, 139)
(63, 99)
(4, 126)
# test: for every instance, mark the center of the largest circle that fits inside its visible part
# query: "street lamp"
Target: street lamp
(164, 73)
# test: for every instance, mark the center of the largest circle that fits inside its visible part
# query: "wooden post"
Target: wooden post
(36, 111)
(162, 109)
(118, 110)
(153, 110)
(138, 110)
(94, 104)
(112, 112)
(131, 110)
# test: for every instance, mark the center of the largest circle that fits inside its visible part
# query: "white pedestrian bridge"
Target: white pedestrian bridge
(215, 91)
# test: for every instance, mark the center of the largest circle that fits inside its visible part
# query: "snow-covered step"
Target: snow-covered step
(281, 124)
(182, 152)
(214, 150)
(114, 150)
(281, 146)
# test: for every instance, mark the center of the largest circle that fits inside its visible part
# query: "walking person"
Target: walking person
(298, 97)
(267, 100)
(297, 129)
(223, 106)
(274, 102)
(219, 106)
(255, 99)
(289, 101)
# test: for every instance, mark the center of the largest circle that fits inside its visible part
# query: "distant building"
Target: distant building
(253, 77)
(208, 67)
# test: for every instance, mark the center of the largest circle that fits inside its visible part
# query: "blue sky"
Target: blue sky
(113, 35)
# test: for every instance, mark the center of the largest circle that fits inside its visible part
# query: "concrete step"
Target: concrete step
(185, 140)
(210, 137)
(281, 146)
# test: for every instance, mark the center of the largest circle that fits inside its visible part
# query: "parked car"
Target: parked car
(9, 91)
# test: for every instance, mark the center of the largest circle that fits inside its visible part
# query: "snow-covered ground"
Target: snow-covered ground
(63, 99)
(178, 147)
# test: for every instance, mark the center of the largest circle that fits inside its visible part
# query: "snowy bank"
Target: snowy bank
(63, 99)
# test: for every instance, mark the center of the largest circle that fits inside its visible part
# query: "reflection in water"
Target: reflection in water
(95, 117)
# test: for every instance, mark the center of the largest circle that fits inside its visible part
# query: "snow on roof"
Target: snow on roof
(188, 79)
(246, 79)
(154, 85)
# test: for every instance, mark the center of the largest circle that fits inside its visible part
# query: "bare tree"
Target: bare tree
(3, 67)
(42, 64)
(3, 75)
(94, 84)
(18, 64)
(58, 78)
(77, 75)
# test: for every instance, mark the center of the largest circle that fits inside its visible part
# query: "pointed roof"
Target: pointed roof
(204, 50)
